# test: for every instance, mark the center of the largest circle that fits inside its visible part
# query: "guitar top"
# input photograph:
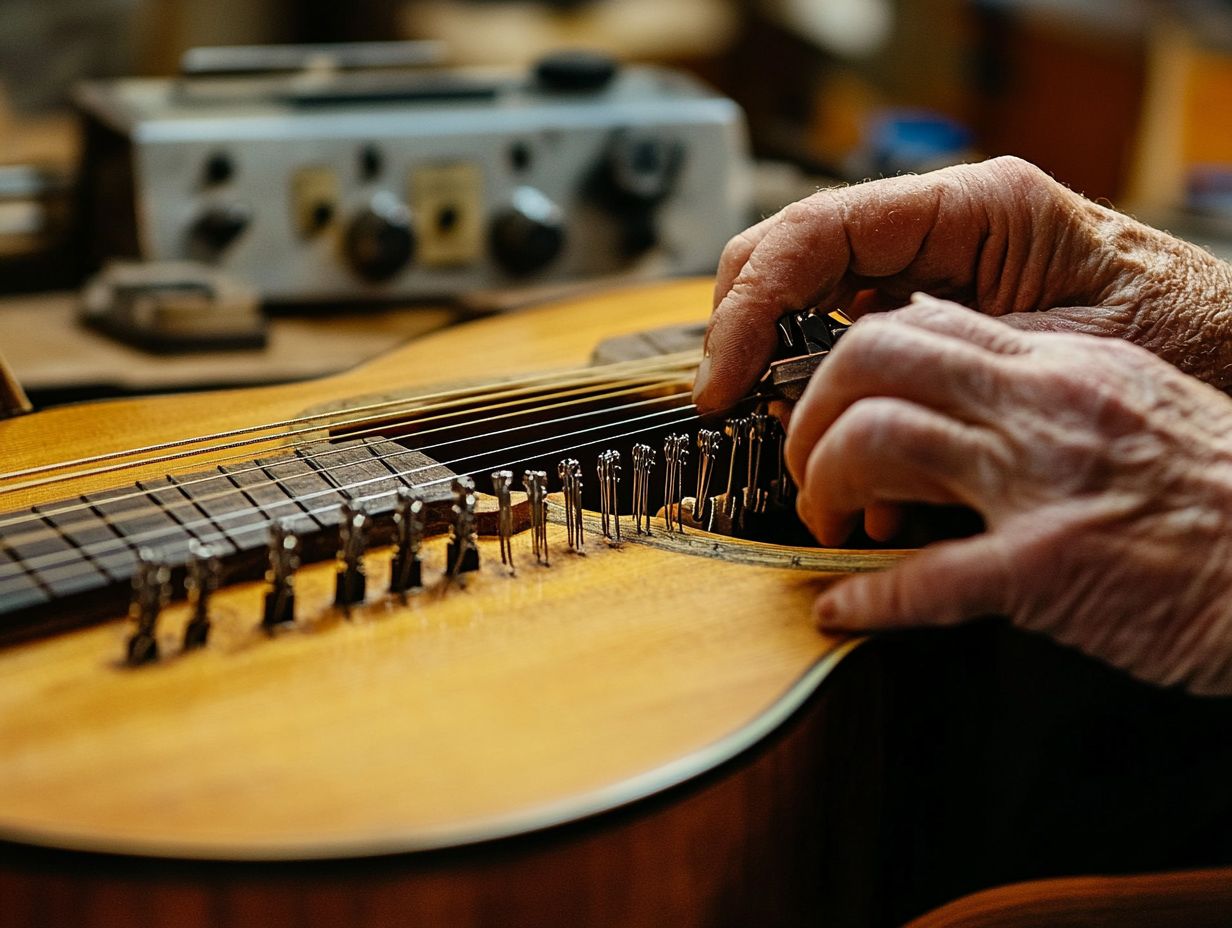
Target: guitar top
(317, 714)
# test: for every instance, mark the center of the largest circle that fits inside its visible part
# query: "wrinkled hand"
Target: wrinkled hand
(1000, 237)
(1103, 474)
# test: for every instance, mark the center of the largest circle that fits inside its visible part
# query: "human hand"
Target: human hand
(1103, 474)
(1001, 237)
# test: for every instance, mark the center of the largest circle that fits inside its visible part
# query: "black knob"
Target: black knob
(219, 168)
(217, 228)
(637, 172)
(528, 235)
(639, 169)
(380, 241)
(575, 71)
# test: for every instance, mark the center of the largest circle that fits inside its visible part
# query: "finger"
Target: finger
(736, 253)
(885, 450)
(882, 521)
(804, 253)
(943, 584)
(957, 321)
(870, 301)
(879, 357)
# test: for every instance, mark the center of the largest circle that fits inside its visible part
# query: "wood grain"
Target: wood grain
(499, 704)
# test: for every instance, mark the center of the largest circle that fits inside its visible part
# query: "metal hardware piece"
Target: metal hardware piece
(405, 568)
(204, 576)
(782, 488)
(570, 473)
(758, 427)
(463, 553)
(735, 431)
(283, 562)
(608, 470)
(675, 456)
(151, 592)
(708, 443)
(643, 463)
(502, 481)
(536, 484)
(351, 580)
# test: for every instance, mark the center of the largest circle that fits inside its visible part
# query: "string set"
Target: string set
(586, 387)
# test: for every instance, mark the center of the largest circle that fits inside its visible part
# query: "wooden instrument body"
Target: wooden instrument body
(501, 705)
(644, 680)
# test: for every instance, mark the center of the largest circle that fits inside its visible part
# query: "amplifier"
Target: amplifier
(414, 183)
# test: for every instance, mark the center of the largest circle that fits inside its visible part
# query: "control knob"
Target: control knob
(637, 172)
(216, 229)
(380, 240)
(529, 234)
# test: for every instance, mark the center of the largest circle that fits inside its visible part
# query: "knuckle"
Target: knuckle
(803, 212)
(737, 249)
(1017, 171)
(797, 451)
(873, 424)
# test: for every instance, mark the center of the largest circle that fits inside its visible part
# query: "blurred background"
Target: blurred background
(1127, 101)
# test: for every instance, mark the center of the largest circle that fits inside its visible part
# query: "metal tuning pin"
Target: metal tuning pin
(758, 426)
(608, 470)
(782, 487)
(204, 575)
(502, 481)
(708, 444)
(675, 456)
(463, 552)
(151, 592)
(536, 484)
(351, 582)
(570, 473)
(406, 569)
(283, 562)
(735, 431)
(643, 463)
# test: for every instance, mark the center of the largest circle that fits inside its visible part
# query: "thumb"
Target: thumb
(943, 584)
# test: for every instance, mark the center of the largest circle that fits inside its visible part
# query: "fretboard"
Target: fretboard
(67, 562)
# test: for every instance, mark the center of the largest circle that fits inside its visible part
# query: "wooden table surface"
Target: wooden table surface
(57, 358)
(49, 350)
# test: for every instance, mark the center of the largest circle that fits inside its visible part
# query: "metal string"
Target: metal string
(453, 398)
(123, 544)
(191, 503)
(588, 396)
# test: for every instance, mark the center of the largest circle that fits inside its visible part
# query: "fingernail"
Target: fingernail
(701, 378)
(825, 612)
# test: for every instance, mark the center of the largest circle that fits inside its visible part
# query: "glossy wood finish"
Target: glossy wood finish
(490, 706)
(786, 835)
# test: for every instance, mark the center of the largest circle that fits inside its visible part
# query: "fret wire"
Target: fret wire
(446, 464)
(325, 452)
(525, 386)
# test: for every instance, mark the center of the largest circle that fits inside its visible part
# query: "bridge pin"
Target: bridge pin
(283, 562)
(536, 484)
(502, 480)
(608, 471)
(643, 463)
(406, 569)
(351, 581)
(204, 575)
(151, 592)
(570, 473)
(675, 456)
(463, 552)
